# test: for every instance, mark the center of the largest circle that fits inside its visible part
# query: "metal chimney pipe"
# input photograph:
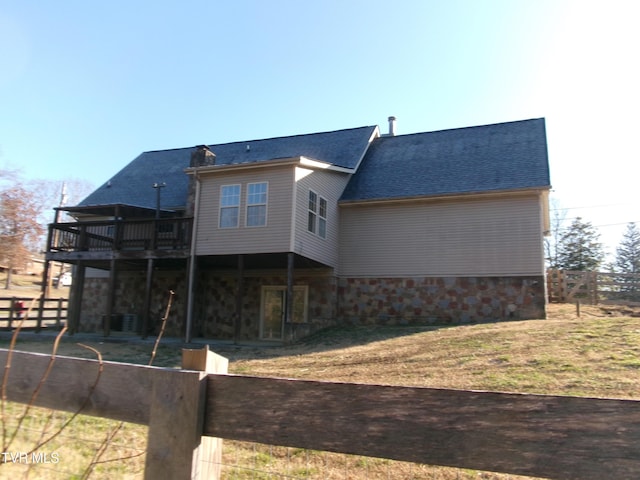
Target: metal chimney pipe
(392, 126)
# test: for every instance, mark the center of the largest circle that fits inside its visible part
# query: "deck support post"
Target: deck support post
(288, 316)
(240, 287)
(110, 298)
(147, 299)
(75, 302)
(44, 293)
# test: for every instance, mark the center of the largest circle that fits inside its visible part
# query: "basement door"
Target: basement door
(273, 310)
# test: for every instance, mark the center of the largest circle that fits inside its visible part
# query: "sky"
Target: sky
(85, 87)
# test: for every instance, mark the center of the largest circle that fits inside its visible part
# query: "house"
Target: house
(276, 238)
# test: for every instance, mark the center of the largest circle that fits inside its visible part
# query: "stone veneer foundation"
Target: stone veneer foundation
(431, 300)
(215, 310)
(331, 301)
(129, 300)
(214, 303)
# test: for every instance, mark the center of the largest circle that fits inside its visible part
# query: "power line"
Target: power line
(603, 225)
(589, 206)
(616, 224)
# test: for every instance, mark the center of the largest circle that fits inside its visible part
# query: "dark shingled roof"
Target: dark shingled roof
(487, 158)
(504, 156)
(133, 184)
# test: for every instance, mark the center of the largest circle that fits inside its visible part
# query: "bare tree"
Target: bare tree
(58, 193)
(552, 238)
(26, 207)
(20, 230)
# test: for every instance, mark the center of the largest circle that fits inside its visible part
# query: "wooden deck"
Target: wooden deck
(167, 237)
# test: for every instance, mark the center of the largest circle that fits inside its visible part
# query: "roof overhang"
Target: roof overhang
(113, 210)
(276, 162)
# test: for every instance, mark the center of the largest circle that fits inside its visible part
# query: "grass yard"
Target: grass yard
(596, 355)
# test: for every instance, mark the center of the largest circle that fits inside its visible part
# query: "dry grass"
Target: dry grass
(28, 286)
(595, 355)
(68, 454)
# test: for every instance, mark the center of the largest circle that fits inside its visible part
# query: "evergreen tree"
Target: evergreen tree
(579, 247)
(628, 261)
(628, 251)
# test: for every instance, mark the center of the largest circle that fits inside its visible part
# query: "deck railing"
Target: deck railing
(150, 234)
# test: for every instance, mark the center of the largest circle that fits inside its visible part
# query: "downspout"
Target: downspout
(192, 260)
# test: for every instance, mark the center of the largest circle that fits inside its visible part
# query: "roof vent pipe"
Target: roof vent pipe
(392, 126)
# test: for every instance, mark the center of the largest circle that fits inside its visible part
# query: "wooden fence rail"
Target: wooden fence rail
(593, 287)
(50, 311)
(556, 437)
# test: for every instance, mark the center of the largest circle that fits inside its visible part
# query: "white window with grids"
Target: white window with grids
(257, 204)
(229, 206)
(317, 215)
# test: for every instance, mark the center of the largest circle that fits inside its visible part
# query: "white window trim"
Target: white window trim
(317, 217)
(312, 212)
(321, 218)
(222, 207)
(266, 209)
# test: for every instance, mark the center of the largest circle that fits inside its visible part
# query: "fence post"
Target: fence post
(596, 287)
(175, 446)
(59, 313)
(208, 457)
(562, 282)
(41, 302)
(12, 308)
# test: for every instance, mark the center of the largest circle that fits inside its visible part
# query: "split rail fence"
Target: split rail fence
(50, 312)
(189, 411)
(567, 286)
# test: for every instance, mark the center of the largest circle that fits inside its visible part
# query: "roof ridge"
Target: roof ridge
(469, 127)
(262, 139)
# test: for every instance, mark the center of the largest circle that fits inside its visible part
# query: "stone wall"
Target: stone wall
(94, 304)
(427, 300)
(129, 300)
(214, 306)
(215, 310)
(361, 301)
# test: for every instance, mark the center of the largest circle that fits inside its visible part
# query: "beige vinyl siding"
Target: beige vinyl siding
(274, 237)
(470, 237)
(328, 185)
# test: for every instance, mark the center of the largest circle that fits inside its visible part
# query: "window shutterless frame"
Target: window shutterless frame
(317, 215)
(322, 218)
(313, 211)
(257, 198)
(229, 206)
